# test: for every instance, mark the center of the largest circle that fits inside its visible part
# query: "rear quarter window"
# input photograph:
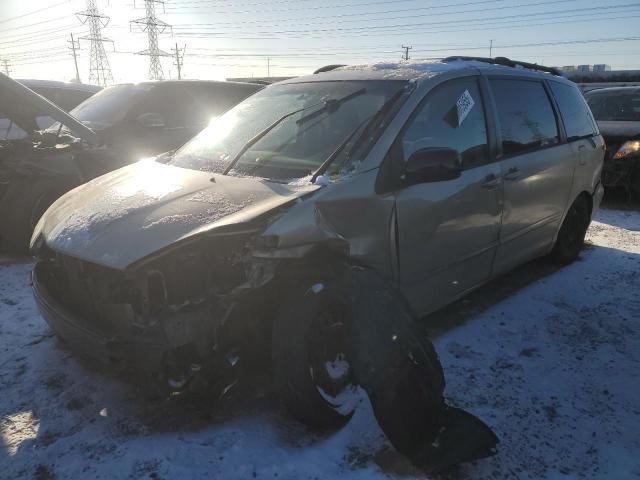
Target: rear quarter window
(574, 110)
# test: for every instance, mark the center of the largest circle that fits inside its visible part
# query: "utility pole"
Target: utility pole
(73, 48)
(7, 71)
(153, 26)
(491, 49)
(179, 59)
(405, 56)
(99, 69)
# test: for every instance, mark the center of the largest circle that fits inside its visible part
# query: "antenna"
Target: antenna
(153, 26)
(99, 69)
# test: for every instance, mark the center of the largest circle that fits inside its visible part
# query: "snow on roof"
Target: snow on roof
(403, 70)
(409, 68)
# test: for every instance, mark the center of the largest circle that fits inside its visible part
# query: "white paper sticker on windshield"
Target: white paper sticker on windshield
(464, 105)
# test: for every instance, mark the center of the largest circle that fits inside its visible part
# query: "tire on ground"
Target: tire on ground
(389, 358)
(292, 346)
(22, 208)
(572, 232)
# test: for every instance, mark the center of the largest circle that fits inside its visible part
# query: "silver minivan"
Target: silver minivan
(307, 227)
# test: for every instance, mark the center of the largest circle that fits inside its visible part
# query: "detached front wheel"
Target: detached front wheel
(312, 357)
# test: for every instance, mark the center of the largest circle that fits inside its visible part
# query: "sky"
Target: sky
(245, 38)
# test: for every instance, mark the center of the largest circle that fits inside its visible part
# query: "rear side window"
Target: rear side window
(574, 110)
(451, 117)
(527, 121)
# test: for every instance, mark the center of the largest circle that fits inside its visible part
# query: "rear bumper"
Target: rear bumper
(108, 350)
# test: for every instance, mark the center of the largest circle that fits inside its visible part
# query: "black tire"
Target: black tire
(635, 183)
(388, 355)
(23, 207)
(572, 232)
(302, 322)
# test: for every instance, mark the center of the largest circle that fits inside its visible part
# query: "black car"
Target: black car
(617, 111)
(117, 126)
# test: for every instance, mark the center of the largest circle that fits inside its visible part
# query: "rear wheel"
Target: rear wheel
(572, 232)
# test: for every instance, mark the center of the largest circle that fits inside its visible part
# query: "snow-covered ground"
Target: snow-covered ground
(554, 368)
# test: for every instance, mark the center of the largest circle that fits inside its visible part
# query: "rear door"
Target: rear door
(537, 169)
(448, 230)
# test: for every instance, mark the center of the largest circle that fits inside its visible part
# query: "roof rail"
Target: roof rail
(507, 62)
(328, 68)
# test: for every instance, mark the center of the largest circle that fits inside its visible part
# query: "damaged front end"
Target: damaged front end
(196, 310)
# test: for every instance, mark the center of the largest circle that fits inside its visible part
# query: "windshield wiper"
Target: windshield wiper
(331, 106)
(335, 104)
(369, 121)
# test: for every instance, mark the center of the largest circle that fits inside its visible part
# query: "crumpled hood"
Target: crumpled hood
(630, 130)
(126, 215)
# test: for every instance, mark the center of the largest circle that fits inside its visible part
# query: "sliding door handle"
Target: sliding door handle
(491, 181)
(512, 174)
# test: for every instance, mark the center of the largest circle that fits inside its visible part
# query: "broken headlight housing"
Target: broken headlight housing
(628, 149)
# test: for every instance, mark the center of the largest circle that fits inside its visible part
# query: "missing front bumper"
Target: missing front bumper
(106, 349)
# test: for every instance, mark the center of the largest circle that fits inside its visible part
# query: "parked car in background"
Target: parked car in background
(617, 111)
(117, 126)
(312, 219)
(65, 95)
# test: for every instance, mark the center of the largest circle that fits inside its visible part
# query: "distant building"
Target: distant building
(601, 67)
(584, 68)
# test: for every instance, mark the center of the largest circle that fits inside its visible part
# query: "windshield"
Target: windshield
(326, 114)
(615, 106)
(107, 107)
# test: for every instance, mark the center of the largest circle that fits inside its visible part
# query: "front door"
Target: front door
(448, 230)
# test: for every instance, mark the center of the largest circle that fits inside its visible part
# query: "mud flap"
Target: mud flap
(399, 369)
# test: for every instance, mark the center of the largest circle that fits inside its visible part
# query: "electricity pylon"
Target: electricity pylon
(99, 69)
(153, 26)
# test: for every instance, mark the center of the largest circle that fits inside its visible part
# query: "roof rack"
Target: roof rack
(327, 68)
(507, 62)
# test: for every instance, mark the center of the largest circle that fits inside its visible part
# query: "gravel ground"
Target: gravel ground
(550, 358)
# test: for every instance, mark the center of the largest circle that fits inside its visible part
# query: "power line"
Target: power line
(48, 21)
(464, 27)
(153, 26)
(297, 21)
(446, 22)
(33, 12)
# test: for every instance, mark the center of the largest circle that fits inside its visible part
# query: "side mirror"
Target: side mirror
(150, 120)
(433, 165)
